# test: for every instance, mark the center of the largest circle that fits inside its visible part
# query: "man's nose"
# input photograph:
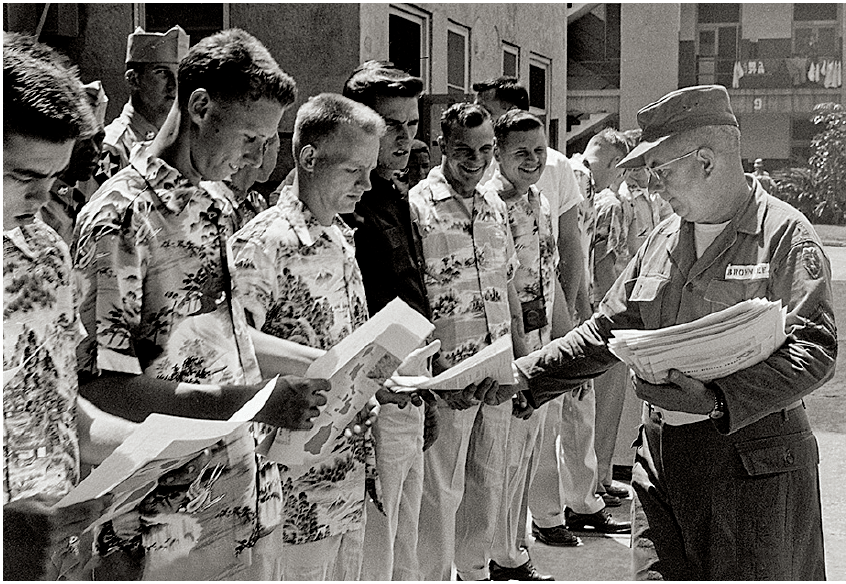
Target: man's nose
(364, 180)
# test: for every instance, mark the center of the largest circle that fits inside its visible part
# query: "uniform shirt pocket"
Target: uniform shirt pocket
(724, 293)
(778, 454)
(646, 291)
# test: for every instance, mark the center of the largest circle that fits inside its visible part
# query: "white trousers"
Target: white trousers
(611, 389)
(566, 473)
(390, 539)
(511, 524)
(462, 491)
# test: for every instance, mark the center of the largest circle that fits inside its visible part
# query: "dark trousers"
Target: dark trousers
(739, 507)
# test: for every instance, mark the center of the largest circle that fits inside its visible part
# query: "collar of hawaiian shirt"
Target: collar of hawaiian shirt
(172, 189)
(442, 191)
(18, 239)
(296, 213)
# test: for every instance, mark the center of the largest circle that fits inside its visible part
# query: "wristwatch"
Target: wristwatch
(719, 403)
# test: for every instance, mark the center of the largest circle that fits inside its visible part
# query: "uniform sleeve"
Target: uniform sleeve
(110, 267)
(802, 281)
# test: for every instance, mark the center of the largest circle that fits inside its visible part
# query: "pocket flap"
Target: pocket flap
(779, 454)
(646, 288)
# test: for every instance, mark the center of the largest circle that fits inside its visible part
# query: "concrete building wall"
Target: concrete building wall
(765, 136)
(649, 53)
(766, 21)
(535, 28)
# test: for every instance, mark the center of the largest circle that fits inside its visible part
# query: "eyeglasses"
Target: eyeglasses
(657, 173)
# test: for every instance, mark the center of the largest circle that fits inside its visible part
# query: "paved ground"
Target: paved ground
(607, 557)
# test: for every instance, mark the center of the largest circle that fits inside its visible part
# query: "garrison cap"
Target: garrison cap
(677, 112)
(157, 47)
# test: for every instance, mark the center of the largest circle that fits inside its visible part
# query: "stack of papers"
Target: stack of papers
(714, 346)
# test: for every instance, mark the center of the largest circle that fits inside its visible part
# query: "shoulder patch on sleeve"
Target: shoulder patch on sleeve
(812, 261)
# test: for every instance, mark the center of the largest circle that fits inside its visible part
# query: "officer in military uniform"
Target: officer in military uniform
(152, 59)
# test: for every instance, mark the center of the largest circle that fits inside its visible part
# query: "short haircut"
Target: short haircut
(515, 121)
(419, 146)
(322, 115)
(507, 89)
(42, 95)
(465, 115)
(374, 79)
(611, 137)
(233, 65)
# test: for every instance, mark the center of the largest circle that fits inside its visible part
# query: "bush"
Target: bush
(819, 190)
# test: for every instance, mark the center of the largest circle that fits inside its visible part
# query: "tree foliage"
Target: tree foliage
(819, 190)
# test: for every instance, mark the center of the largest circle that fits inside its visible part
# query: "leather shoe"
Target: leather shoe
(558, 536)
(619, 492)
(525, 572)
(611, 500)
(600, 522)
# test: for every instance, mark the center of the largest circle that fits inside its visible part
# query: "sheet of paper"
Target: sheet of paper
(492, 361)
(159, 444)
(357, 367)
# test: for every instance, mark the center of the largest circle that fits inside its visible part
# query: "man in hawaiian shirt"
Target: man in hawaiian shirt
(521, 156)
(151, 62)
(44, 434)
(166, 335)
(296, 275)
(470, 262)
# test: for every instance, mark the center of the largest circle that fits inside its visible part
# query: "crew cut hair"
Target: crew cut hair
(611, 137)
(42, 95)
(374, 79)
(515, 121)
(234, 66)
(507, 89)
(465, 115)
(322, 115)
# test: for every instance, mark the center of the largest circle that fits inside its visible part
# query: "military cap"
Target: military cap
(759, 163)
(157, 47)
(677, 112)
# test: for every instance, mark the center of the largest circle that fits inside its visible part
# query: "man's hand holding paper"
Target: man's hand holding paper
(295, 401)
(682, 394)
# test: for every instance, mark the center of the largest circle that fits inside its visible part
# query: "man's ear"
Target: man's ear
(708, 158)
(496, 151)
(131, 76)
(307, 158)
(442, 144)
(199, 104)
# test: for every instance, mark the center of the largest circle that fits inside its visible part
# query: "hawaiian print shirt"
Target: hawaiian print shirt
(647, 210)
(156, 299)
(299, 281)
(125, 131)
(40, 331)
(587, 215)
(613, 228)
(470, 259)
(246, 206)
(537, 254)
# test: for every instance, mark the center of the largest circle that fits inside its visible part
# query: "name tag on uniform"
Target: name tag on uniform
(754, 272)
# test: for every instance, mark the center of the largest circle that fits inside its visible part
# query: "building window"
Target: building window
(539, 85)
(408, 41)
(510, 60)
(458, 59)
(717, 45)
(198, 20)
(815, 30)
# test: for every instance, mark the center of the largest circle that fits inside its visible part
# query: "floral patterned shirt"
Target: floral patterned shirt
(470, 258)
(613, 223)
(537, 254)
(40, 331)
(156, 299)
(299, 281)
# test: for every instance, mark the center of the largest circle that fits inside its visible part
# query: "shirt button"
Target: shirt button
(788, 457)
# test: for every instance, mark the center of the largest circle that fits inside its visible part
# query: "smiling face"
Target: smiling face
(467, 153)
(226, 136)
(522, 157)
(339, 171)
(401, 118)
(30, 166)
